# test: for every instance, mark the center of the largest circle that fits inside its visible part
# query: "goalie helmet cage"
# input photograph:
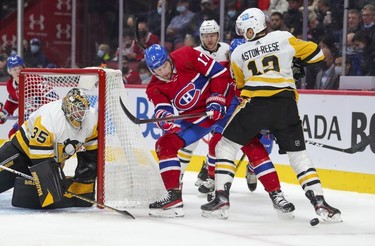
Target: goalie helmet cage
(128, 175)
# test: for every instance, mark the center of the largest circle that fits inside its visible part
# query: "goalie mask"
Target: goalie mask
(75, 106)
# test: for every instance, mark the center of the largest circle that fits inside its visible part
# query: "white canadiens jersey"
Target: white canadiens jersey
(263, 67)
(48, 134)
(221, 55)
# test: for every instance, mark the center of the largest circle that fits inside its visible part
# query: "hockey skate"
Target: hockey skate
(283, 208)
(218, 207)
(325, 211)
(168, 207)
(251, 178)
(202, 175)
(207, 187)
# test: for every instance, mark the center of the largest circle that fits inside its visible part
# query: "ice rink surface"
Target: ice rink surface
(252, 221)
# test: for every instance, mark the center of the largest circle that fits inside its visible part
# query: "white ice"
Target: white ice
(252, 221)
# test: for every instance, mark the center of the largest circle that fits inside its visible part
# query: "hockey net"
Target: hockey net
(128, 175)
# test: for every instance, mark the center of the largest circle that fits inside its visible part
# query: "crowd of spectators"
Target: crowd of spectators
(183, 18)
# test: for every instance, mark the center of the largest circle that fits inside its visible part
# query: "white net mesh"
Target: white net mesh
(131, 174)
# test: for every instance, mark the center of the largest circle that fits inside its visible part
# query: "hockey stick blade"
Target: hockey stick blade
(123, 212)
(137, 121)
(24, 175)
(355, 148)
(11, 117)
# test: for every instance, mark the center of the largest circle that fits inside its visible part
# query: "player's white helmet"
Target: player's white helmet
(253, 18)
(209, 26)
(75, 106)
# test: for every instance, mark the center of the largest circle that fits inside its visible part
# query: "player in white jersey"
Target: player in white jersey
(51, 135)
(209, 32)
(263, 70)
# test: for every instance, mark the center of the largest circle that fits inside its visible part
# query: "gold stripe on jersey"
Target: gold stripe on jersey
(92, 141)
(20, 139)
(238, 75)
(41, 141)
(265, 92)
(309, 52)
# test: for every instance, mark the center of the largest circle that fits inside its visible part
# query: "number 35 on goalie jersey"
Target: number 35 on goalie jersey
(263, 67)
(47, 134)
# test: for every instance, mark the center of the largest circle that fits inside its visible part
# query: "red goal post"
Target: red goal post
(128, 175)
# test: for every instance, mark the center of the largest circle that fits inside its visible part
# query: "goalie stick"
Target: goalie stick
(123, 212)
(355, 148)
(137, 121)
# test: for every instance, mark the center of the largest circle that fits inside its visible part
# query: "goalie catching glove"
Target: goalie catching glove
(216, 104)
(167, 126)
(50, 182)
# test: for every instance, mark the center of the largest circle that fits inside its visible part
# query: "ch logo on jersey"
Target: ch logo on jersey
(67, 149)
(187, 97)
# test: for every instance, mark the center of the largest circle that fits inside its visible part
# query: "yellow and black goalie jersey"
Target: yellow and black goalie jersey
(263, 67)
(48, 134)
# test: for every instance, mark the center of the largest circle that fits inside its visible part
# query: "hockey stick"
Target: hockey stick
(241, 160)
(135, 120)
(11, 117)
(355, 148)
(123, 212)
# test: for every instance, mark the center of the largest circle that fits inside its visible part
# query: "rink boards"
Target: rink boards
(334, 118)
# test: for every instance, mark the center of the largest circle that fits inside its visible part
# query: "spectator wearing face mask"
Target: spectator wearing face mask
(154, 16)
(145, 37)
(36, 58)
(102, 55)
(144, 73)
(230, 21)
(206, 13)
(365, 46)
(129, 75)
(338, 66)
(180, 24)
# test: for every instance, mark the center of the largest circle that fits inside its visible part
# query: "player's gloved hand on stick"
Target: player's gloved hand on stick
(167, 126)
(298, 69)
(216, 104)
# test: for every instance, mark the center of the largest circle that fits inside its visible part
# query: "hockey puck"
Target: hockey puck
(314, 222)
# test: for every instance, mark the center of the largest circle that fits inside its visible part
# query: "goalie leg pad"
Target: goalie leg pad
(12, 158)
(26, 196)
(49, 182)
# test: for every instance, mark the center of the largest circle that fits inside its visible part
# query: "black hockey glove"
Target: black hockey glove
(86, 169)
(298, 69)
